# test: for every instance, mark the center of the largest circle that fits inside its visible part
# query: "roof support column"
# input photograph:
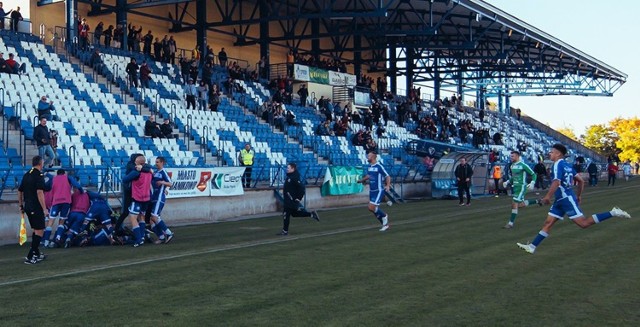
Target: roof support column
(437, 82)
(410, 68)
(201, 28)
(315, 42)
(264, 35)
(357, 55)
(507, 99)
(393, 69)
(121, 19)
(460, 82)
(71, 15)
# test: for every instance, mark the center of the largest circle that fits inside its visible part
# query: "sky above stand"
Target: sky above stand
(605, 31)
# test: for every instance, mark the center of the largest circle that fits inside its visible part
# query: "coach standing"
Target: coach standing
(31, 201)
(463, 174)
(246, 159)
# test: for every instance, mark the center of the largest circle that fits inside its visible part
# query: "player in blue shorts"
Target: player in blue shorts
(160, 189)
(379, 182)
(566, 201)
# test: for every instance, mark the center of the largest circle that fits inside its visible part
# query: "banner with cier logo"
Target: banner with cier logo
(227, 181)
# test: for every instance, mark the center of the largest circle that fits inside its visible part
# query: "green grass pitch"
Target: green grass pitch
(438, 265)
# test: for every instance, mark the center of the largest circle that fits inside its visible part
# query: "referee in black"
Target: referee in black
(294, 191)
(31, 201)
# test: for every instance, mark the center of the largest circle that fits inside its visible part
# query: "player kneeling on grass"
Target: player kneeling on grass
(375, 175)
(293, 192)
(519, 172)
(140, 194)
(566, 201)
(161, 184)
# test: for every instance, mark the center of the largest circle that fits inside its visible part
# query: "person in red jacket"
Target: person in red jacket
(612, 169)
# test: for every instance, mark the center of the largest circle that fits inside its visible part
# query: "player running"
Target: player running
(566, 201)
(519, 172)
(375, 175)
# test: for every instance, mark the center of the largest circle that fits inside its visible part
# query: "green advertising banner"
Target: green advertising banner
(340, 180)
(317, 75)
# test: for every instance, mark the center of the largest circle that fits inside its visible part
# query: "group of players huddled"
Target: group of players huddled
(85, 218)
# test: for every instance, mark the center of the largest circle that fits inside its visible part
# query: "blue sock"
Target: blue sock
(157, 230)
(379, 213)
(162, 225)
(137, 233)
(59, 232)
(600, 217)
(539, 238)
(47, 233)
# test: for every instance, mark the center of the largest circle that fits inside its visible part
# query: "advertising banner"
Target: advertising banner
(341, 180)
(341, 79)
(227, 181)
(317, 75)
(188, 182)
(301, 72)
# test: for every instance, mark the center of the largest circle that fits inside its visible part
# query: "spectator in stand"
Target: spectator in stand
(173, 48)
(290, 62)
(518, 113)
(190, 93)
(166, 50)
(278, 118)
(303, 92)
(96, 60)
(166, 128)
(612, 170)
(207, 73)
(203, 95)
(14, 67)
(145, 74)
(370, 146)
(43, 140)
(262, 67)
(132, 73)
(4, 67)
(97, 34)
(118, 34)
(278, 97)
(83, 34)
(108, 35)
(151, 128)
(16, 16)
(3, 14)
(324, 129)
(497, 139)
(222, 58)
(291, 118)
(214, 98)
(147, 40)
(193, 69)
(157, 50)
(133, 38)
(44, 109)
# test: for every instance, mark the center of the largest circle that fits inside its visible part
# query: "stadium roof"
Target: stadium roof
(468, 44)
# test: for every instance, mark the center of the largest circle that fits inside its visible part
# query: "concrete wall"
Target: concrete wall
(218, 209)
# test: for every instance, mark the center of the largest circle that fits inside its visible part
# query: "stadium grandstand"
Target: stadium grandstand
(413, 80)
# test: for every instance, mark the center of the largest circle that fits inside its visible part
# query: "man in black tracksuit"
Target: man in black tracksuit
(463, 174)
(31, 201)
(293, 193)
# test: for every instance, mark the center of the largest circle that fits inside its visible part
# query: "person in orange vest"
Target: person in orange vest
(496, 173)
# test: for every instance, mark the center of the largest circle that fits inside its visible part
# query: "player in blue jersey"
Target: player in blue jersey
(566, 201)
(160, 187)
(379, 182)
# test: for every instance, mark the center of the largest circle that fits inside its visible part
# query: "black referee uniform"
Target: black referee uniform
(31, 201)
(294, 191)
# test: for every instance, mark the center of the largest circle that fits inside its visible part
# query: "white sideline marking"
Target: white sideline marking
(230, 247)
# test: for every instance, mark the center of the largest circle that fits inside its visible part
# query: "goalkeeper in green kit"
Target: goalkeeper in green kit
(518, 180)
